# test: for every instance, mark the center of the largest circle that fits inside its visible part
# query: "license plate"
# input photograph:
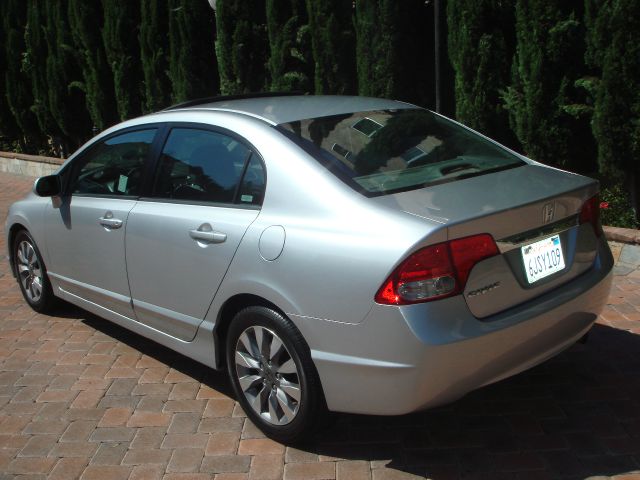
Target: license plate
(543, 258)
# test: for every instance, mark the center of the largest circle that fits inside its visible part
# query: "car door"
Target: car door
(85, 226)
(182, 237)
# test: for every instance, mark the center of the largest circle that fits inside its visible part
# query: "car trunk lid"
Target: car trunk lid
(530, 207)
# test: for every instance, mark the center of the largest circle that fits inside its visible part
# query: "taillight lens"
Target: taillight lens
(590, 213)
(436, 271)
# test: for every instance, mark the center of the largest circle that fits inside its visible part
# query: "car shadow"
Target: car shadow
(574, 416)
(208, 376)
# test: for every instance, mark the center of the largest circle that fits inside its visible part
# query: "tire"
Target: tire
(277, 385)
(31, 274)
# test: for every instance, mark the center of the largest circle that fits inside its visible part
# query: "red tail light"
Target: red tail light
(436, 271)
(590, 213)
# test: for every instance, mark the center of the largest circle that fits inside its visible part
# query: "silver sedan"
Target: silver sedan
(331, 253)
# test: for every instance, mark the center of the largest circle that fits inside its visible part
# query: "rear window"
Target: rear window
(382, 152)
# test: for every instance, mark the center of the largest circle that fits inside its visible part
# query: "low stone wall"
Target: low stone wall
(624, 235)
(29, 165)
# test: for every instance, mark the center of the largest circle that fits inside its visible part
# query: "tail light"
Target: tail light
(437, 271)
(590, 213)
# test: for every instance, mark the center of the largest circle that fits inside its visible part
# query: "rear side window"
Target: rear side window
(253, 183)
(200, 166)
(382, 152)
(113, 166)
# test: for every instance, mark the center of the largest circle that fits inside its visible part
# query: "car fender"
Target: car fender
(19, 213)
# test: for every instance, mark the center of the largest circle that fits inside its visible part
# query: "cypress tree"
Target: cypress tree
(241, 45)
(154, 48)
(8, 126)
(290, 58)
(34, 64)
(66, 104)
(333, 41)
(19, 94)
(85, 21)
(376, 47)
(391, 35)
(481, 46)
(544, 105)
(596, 18)
(614, 52)
(192, 58)
(121, 24)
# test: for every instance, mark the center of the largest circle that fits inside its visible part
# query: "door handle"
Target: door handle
(109, 222)
(208, 236)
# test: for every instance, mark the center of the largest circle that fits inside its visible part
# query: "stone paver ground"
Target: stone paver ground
(82, 398)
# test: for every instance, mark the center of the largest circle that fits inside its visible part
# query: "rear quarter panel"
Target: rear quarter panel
(339, 245)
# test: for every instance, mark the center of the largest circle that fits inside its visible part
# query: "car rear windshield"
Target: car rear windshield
(382, 152)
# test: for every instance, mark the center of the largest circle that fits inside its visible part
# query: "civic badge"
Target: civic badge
(548, 212)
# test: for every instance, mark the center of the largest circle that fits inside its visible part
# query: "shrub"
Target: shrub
(616, 209)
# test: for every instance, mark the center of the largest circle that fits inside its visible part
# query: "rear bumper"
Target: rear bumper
(402, 359)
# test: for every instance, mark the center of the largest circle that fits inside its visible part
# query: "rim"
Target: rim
(267, 375)
(29, 271)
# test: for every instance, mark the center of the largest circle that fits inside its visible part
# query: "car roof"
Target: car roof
(277, 109)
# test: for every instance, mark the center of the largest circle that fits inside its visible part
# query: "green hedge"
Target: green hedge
(558, 81)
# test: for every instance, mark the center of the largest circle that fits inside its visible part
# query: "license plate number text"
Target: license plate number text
(543, 258)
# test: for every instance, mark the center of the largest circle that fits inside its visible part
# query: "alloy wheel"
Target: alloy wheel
(30, 271)
(268, 375)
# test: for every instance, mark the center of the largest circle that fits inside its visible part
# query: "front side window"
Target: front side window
(114, 166)
(200, 166)
(388, 151)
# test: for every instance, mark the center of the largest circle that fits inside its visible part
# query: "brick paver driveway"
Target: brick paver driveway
(82, 398)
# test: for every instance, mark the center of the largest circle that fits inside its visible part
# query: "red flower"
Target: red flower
(604, 205)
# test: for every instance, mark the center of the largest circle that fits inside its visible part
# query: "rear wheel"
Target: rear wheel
(32, 273)
(273, 376)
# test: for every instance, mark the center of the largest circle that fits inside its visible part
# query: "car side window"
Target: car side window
(114, 166)
(200, 166)
(253, 183)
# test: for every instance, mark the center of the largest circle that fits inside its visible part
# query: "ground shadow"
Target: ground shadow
(197, 371)
(575, 416)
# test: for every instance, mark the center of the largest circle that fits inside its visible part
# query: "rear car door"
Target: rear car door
(86, 225)
(182, 236)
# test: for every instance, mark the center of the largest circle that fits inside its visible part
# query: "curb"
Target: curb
(622, 235)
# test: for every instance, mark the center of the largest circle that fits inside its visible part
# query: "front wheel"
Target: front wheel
(32, 273)
(273, 376)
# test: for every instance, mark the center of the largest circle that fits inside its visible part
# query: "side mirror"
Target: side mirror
(48, 186)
